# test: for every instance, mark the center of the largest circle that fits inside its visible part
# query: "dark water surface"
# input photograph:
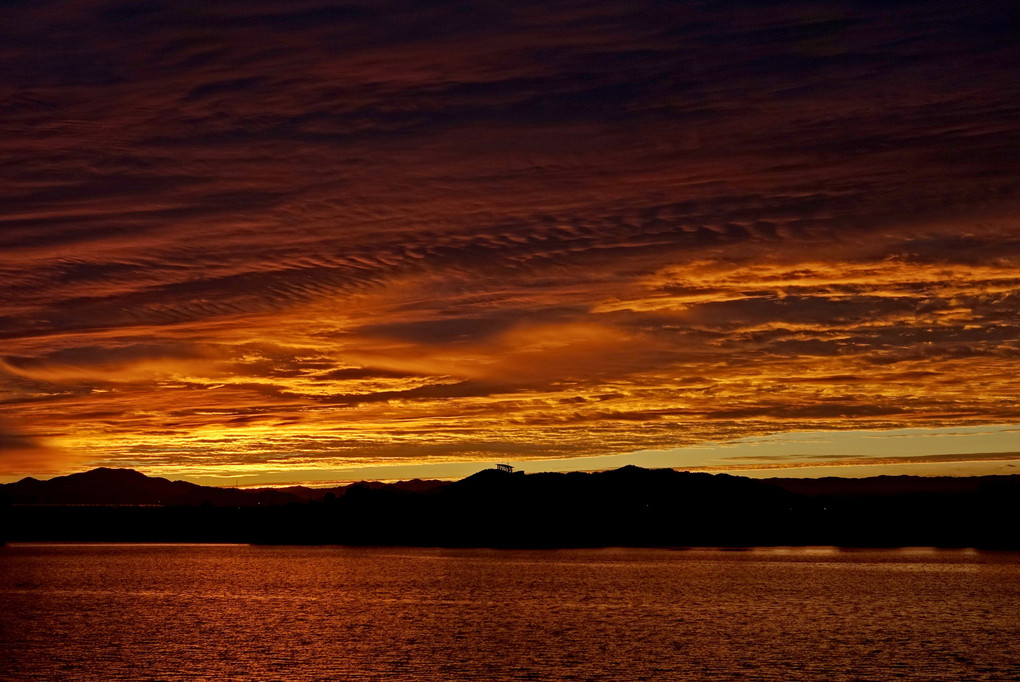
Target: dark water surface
(109, 612)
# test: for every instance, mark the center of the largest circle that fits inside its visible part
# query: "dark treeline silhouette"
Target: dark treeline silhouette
(626, 507)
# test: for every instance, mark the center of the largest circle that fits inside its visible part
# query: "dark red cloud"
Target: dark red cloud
(312, 231)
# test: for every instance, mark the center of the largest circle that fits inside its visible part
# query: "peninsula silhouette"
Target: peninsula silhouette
(630, 506)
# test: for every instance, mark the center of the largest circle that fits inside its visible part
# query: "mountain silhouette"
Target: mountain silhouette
(129, 487)
(105, 486)
(630, 506)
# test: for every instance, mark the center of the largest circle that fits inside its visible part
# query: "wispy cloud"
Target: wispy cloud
(302, 233)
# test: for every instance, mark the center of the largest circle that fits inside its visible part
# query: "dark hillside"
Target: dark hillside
(628, 506)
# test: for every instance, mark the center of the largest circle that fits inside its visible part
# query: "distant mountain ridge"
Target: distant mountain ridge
(630, 506)
(106, 486)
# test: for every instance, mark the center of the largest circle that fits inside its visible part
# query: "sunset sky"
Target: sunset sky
(271, 242)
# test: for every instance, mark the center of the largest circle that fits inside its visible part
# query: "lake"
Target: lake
(174, 612)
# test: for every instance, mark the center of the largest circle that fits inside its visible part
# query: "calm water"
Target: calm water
(104, 612)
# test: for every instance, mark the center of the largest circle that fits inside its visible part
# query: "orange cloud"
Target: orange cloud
(555, 232)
